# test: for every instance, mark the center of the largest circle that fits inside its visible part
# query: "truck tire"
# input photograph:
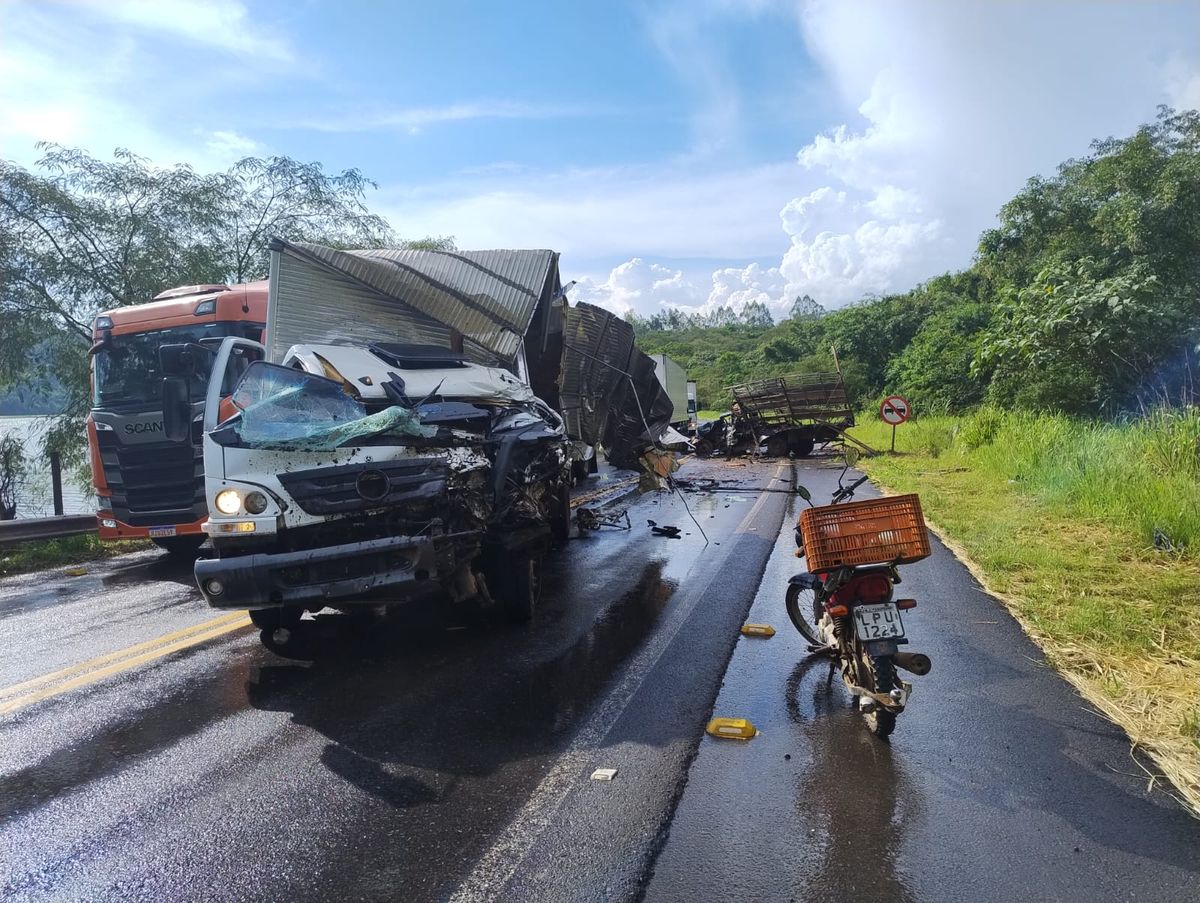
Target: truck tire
(802, 442)
(777, 446)
(273, 618)
(182, 547)
(560, 517)
(521, 587)
(704, 448)
(579, 471)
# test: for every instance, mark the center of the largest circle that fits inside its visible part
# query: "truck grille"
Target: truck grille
(358, 487)
(154, 483)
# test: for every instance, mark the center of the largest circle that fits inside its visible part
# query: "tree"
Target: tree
(12, 471)
(756, 314)
(80, 235)
(805, 308)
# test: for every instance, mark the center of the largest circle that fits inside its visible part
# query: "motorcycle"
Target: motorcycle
(845, 606)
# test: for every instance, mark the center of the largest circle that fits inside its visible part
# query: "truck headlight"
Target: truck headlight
(255, 502)
(229, 501)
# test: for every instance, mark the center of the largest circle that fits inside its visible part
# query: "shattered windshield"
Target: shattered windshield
(126, 370)
(282, 407)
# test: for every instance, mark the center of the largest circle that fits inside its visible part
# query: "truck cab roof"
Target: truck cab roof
(180, 307)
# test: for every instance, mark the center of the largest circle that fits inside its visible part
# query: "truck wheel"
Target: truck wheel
(704, 448)
(272, 618)
(802, 443)
(593, 463)
(522, 586)
(180, 546)
(560, 517)
(579, 471)
(777, 446)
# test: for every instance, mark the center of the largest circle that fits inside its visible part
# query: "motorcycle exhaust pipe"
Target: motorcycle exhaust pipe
(915, 662)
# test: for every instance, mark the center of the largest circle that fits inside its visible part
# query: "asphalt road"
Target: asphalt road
(1000, 782)
(151, 751)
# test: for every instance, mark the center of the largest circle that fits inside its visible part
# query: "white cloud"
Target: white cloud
(634, 286)
(416, 119)
(95, 75)
(222, 25)
(598, 212)
(230, 147)
(957, 105)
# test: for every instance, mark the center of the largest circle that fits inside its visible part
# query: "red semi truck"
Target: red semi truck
(147, 487)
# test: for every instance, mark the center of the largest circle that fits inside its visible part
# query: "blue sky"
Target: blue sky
(678, 153)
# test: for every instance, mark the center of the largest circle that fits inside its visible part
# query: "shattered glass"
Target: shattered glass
(286, 408)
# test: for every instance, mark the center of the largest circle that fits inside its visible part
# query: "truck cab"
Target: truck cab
(146, 486)
(353, 475)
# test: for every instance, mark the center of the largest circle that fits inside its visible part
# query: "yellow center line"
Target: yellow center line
(28, 692)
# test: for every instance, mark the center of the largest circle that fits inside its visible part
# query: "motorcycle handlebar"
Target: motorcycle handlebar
(847, 491)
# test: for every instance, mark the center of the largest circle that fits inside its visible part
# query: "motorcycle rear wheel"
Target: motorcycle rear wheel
(877, 673)
(802, 608)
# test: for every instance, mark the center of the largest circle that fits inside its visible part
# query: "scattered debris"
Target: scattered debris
(75, 572)
(604, 774)
(593, 519)
(731, 729)
(766, 631)
(667, 531)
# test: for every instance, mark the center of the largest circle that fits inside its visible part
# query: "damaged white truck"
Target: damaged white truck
(407, 429)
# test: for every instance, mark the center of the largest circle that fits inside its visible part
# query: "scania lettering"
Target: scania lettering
(147, 487)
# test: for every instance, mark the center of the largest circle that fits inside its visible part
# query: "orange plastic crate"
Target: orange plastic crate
(877, 531)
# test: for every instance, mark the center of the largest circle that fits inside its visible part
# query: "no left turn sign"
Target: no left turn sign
(895, 409)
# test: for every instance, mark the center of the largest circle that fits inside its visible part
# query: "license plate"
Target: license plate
(877, 622)
(161, 531)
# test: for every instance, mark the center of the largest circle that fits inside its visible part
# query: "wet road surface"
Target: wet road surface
(999, 783)
(437, 754)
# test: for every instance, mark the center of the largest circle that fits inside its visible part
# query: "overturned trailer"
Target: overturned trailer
(407, 428)
(787, 414)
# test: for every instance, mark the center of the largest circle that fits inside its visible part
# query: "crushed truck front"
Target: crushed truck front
(405, 473)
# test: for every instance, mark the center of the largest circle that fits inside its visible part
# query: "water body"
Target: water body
(35, 497)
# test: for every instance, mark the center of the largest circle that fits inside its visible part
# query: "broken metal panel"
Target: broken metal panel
(609, 391)
(313, 304)
(489, 297)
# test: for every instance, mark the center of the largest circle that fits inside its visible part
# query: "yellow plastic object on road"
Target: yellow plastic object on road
(766, 631)
(731, 729)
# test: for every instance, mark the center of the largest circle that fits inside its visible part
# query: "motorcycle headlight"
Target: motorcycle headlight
(229, 501)
(255, 503)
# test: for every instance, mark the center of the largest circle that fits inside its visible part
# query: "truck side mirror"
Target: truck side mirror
(181, 360)
(177, 408)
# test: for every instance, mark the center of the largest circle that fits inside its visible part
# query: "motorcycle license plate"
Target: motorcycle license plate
(877, 622)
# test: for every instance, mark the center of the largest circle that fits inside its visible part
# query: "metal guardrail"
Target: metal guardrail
(25, 529)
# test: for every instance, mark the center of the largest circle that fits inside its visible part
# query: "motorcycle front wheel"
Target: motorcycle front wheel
(804, 610)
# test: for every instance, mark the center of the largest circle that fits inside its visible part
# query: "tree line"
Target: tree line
(80, 235)
(1083, 299)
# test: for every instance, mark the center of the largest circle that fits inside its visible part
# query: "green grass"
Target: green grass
(708, 415)
(55, 553)
(1060, 516)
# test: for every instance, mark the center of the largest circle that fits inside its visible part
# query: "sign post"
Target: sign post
(895, 410)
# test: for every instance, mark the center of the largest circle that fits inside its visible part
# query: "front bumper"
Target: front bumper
(404, 565)
(110, 529)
